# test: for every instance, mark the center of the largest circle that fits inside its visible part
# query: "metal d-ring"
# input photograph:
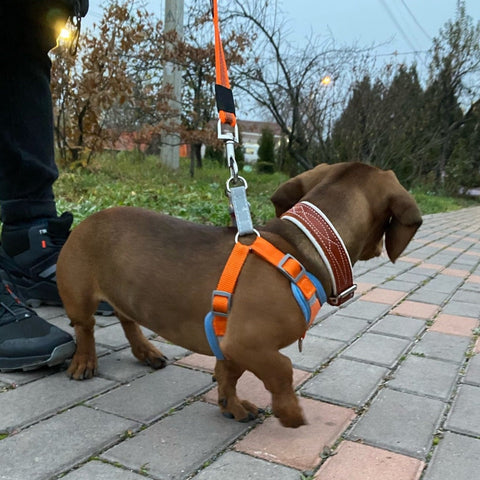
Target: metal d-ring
(255, 231)
(239, 180)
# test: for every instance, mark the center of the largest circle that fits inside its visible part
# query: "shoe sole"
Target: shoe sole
(59, 355)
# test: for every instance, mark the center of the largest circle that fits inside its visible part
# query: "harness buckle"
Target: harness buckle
(291, 276)
(221, 303)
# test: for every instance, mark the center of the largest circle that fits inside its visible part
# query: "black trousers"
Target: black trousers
(28, 30)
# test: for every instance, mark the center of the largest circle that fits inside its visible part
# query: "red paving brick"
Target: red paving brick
(408, 308)
(364, 287)
(455, 272)
(382, 295)
(473, 279)
(410, 260)
(198, 361)
(298, 447)
(454, 325)
(354, 461)
(433, 266)
(454, 249)
(250, 388)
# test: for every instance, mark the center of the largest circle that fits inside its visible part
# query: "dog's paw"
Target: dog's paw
(292, 419)
(157, 362)
(240, 410)
(82, 367)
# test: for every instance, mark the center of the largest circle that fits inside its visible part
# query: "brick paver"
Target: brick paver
(389, 382)
(369, 463)
(299, 448)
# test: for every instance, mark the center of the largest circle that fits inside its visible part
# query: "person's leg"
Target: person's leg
(32, 234)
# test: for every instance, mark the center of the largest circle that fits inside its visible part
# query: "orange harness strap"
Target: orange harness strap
(306, 288)
(223, 93)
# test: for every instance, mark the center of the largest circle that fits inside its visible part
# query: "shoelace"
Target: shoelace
(14, 306)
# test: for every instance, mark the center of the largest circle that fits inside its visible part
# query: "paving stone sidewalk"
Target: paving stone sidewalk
(390, 384)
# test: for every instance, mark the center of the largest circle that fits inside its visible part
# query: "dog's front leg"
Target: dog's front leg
(227, 374)
(84, 362)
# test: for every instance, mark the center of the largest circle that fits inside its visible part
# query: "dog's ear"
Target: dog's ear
(290, 192)
(404, 222)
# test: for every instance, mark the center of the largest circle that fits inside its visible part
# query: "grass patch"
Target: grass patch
(126, 179)
(433, 203)
(117, 180)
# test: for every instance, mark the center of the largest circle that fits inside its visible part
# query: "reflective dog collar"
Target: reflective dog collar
(327, 242)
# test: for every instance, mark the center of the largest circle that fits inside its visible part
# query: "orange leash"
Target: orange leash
(223, 92)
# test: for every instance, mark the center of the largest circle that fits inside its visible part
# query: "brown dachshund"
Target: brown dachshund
(159, 272)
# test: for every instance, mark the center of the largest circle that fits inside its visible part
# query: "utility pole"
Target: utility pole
(172, 79)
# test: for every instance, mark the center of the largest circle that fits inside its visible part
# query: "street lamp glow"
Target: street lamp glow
(65, 34)
(326, 80)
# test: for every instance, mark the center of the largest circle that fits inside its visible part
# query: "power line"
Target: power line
(397, 24)
(415, 20)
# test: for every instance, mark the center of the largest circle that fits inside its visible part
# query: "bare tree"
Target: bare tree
(286, 81)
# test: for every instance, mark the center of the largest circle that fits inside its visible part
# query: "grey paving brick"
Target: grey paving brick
(473, 371)
(38, 399)
(426, 376)
(48, 312)
(345, 382)
(401, 286)
(96, 470)
(400, 422)
(325, 312)
(369, 311)
(105, 321)
(22, 378)
(397, 326)
(456, 458)
(237, 466)
(148, 397)
(445, 283)
(462, 308)
(57, 444)
(427, 295)
(370, 277)
(471, 286)
(442, 346)
(464, 416)
(112, 337)
(339, 327)
(315, 352)
(416, 278)
(123, 366)
(178, 445)
(465, 295)
(377, 349)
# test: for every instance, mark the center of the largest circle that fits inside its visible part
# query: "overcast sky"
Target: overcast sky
(408, 25)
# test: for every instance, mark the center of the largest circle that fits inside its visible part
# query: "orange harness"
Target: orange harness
(307, 290)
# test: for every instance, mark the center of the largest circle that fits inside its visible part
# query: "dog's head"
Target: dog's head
(363, 202)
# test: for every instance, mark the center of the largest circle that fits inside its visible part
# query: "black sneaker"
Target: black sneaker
(27, 341)
(29, 256)
(32, 257)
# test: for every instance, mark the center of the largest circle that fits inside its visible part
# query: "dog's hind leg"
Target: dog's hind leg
(141, 347)
(275, 371)
(227, 374)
